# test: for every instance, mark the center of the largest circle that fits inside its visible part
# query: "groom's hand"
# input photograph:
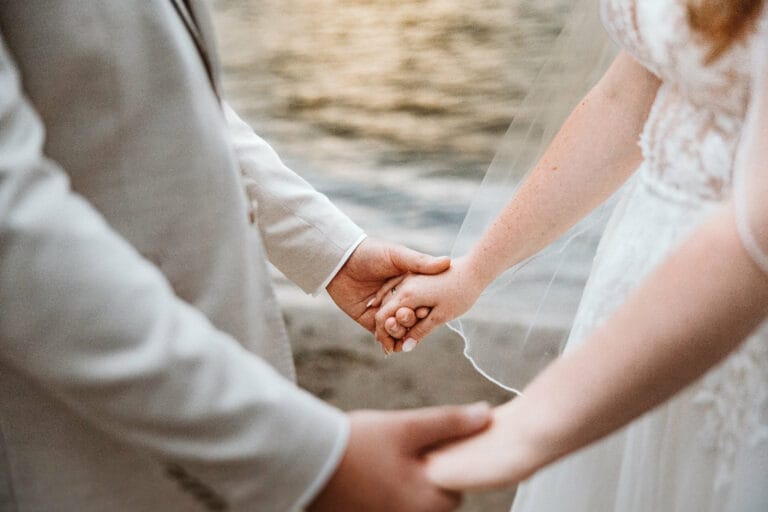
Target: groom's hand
(383, 468)
(370, 267)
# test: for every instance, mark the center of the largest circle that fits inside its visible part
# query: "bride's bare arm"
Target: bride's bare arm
(594, 152)
(691, 312)
(688, 315)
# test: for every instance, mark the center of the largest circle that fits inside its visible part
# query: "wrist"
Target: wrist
(468, 278)
(480, 273)
(352, 251)
(501, 456)
(522, 454)
(537, 435)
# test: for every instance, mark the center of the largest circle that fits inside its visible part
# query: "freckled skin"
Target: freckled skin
(592, 155)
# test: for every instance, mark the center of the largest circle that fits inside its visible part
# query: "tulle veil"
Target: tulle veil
(521, 322)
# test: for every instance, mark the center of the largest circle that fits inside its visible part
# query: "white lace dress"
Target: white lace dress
(707, 449)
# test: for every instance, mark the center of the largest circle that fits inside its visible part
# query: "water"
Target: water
(393, 109)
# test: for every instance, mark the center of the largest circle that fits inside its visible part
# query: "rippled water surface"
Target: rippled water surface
(393, 108)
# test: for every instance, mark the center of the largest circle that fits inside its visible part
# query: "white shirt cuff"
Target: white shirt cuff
(342, 262)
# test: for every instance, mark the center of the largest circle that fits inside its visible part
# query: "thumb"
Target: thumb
(437, 425)
(408, 260)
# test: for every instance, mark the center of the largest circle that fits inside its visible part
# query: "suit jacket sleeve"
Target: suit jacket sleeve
(305, 235)
(100, 329)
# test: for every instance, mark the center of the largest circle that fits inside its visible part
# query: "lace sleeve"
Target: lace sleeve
(751, 171)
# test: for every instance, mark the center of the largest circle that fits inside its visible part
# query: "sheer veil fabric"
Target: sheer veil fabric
(521, 322)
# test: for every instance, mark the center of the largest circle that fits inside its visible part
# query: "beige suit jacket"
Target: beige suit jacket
(141, 349)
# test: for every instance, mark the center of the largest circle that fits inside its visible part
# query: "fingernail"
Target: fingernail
(479, 412)
(409, 345)
(371, 302)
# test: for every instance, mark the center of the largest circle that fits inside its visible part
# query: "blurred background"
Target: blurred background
(394, 109)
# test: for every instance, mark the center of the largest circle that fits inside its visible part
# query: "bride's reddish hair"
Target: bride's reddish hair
(723, 22)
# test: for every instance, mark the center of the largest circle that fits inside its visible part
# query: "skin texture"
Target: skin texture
(590, 158)
(688, 315)
(384, 466)
(373, 265)
(391, 443)
(670, 332)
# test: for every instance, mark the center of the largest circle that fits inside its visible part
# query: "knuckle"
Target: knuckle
(406, 324)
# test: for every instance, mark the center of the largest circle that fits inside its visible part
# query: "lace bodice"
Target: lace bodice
(689, 145)
(690, 138)
(705, 449)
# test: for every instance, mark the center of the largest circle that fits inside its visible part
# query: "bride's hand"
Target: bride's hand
(500, 456)
(414, 306)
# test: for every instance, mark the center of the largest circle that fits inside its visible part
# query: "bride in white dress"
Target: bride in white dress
(680, 279)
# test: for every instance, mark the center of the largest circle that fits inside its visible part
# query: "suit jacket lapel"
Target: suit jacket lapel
(199, 27)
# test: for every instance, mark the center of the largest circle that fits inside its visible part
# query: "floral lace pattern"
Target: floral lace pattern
(689, 145)
(736, 396)
(692, 133)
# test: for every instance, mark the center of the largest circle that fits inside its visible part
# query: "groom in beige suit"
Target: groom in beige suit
(144, 365)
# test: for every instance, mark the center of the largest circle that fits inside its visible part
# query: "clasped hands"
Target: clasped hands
(401, 295)
(410, 306)
(407, 308)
